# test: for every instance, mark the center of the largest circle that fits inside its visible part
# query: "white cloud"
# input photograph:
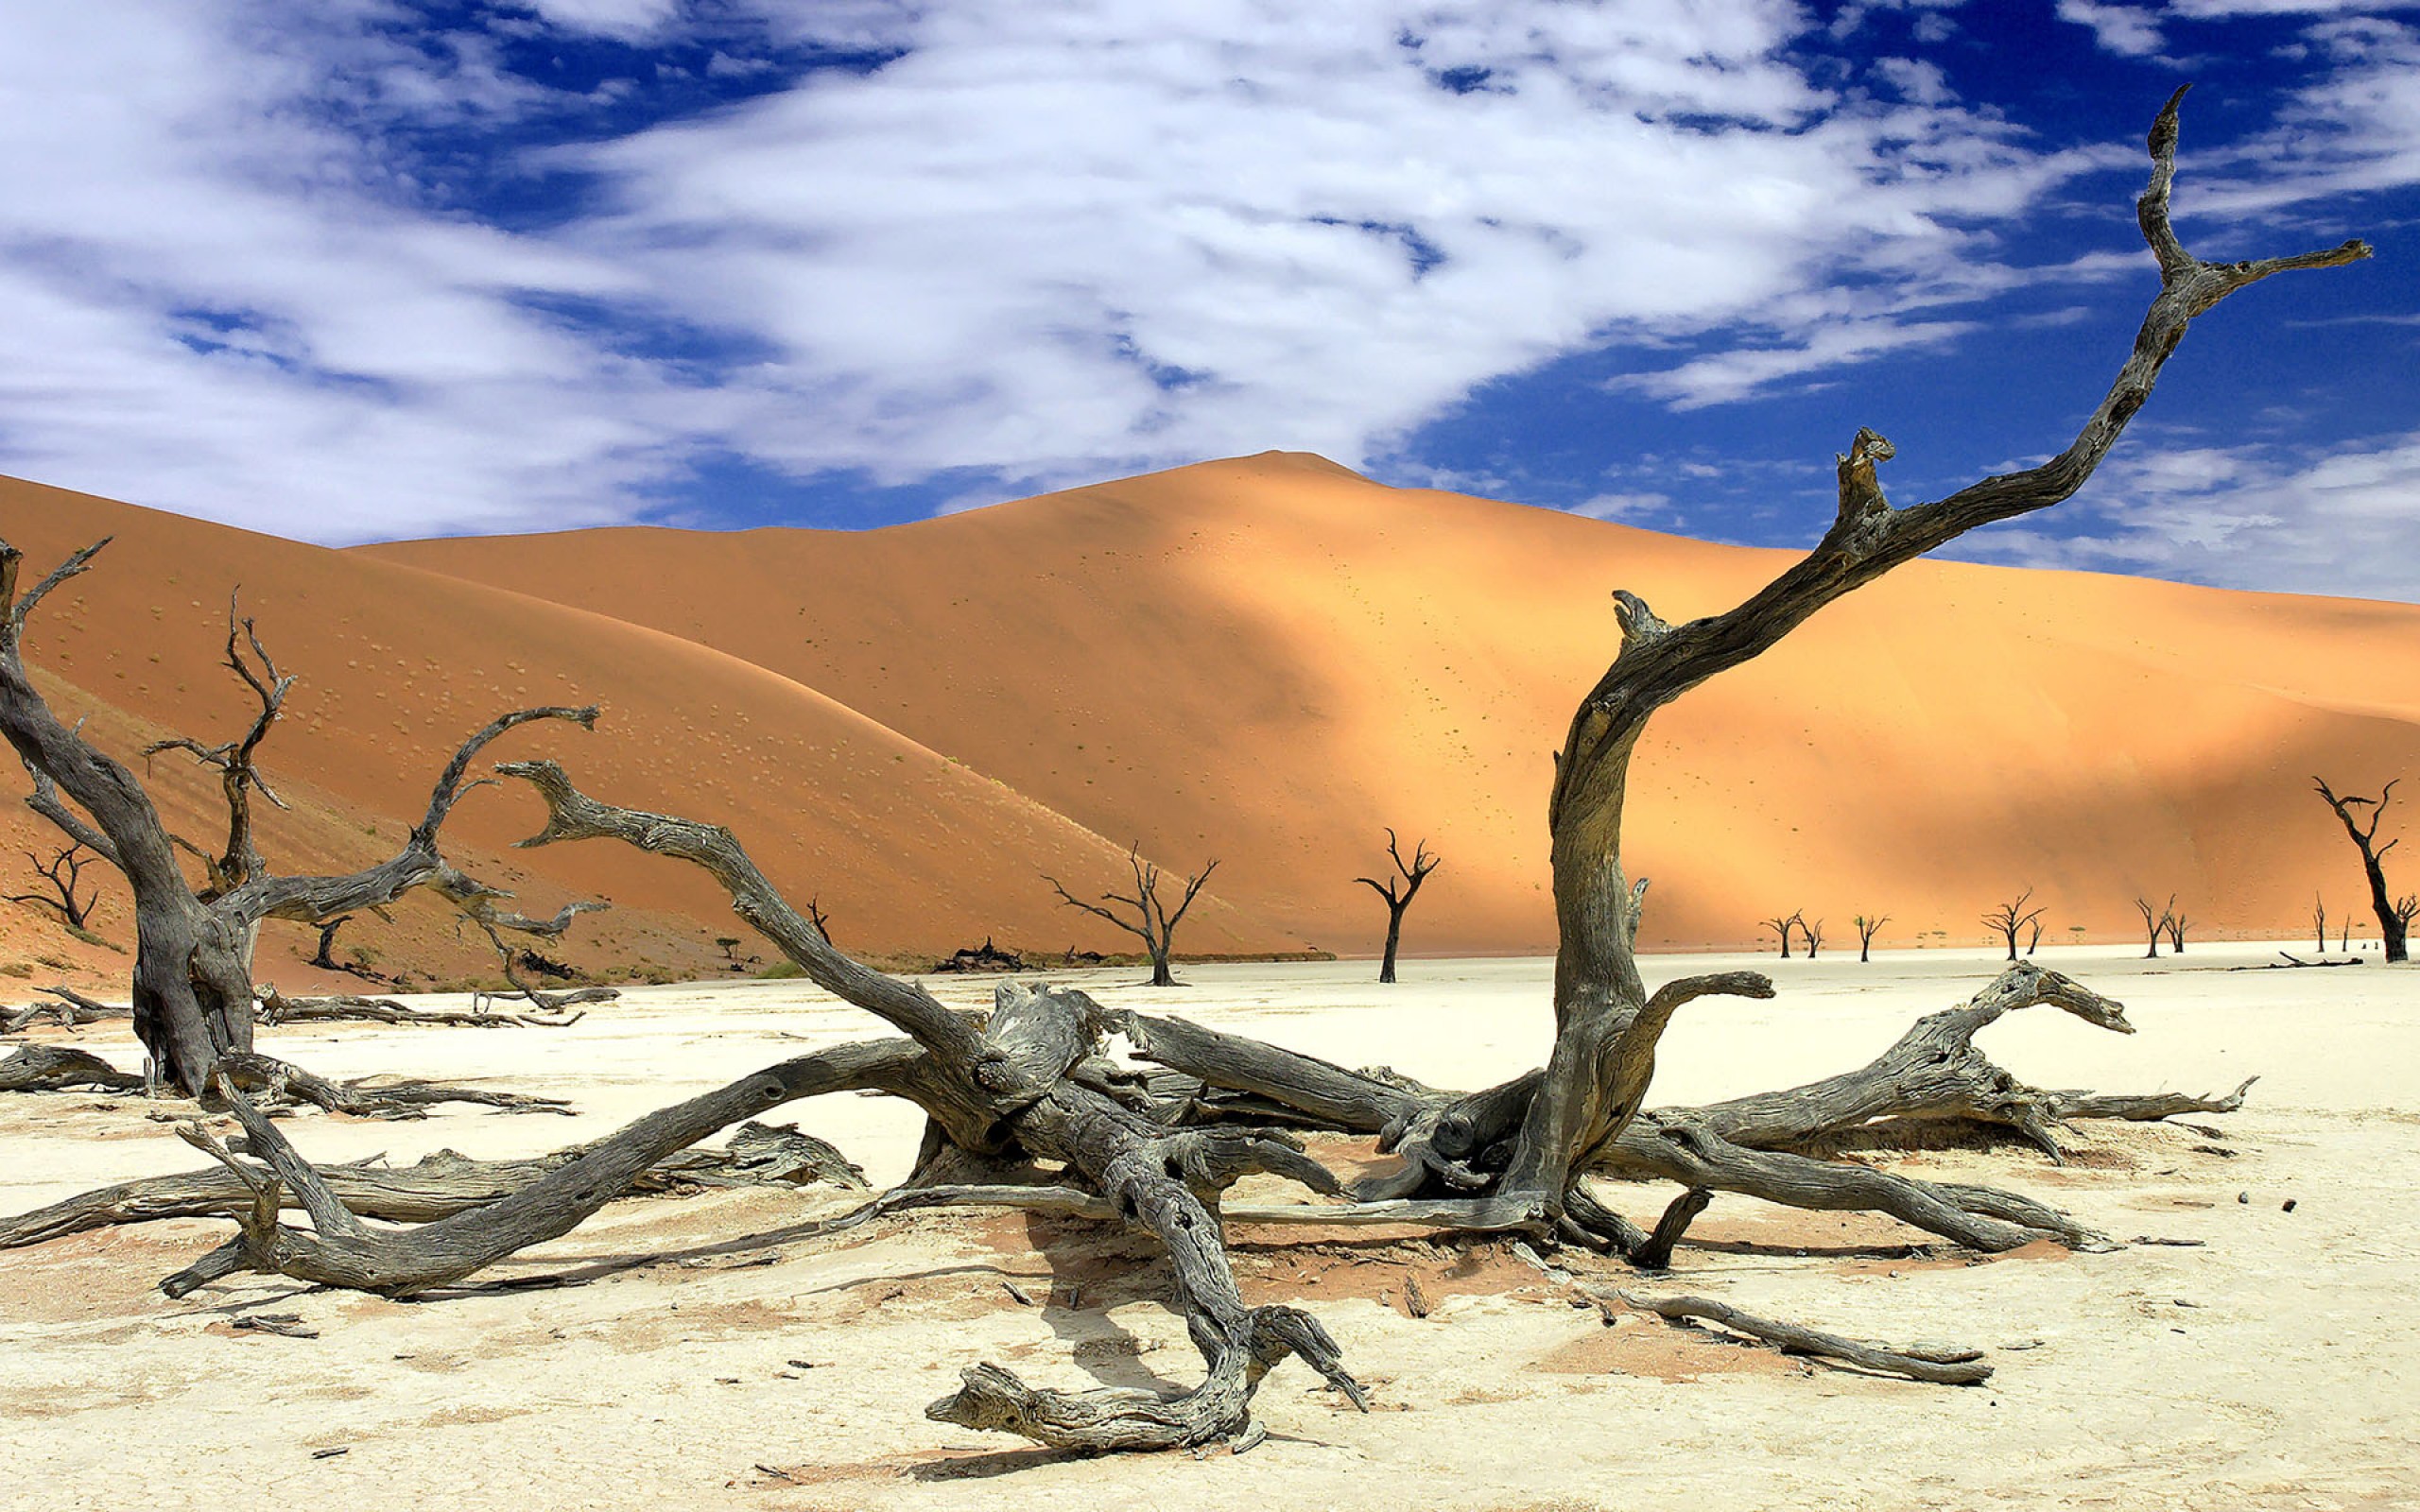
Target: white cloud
(2249, 517)
(1049, 242)
(1631, 507)
(2129, 30)
(984, 254)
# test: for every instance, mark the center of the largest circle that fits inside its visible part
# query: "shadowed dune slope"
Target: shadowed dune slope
(1271, 658)
(905, 847)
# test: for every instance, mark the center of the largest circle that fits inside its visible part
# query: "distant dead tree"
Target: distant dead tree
(1866, 929)
(2033, 939)
(815, 916)
(325, 955)
(1783, 926)
(1151, 922)
(2155, 924)
(2390, 925)
(2176, 933)
(62, 872)
(1813, 935)
(1410, 875)
(2013, 916)
(2318, 920)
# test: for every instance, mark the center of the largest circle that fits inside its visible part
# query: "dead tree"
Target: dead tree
(1813, 935)
(1022, 1113)
(2392, 923)
(1783, 925)
(2177, 922)
(1411, 875)
(2013, 916)
(2319, 921)
(62, 872)
(2035, 937)
(193, 963)
(1866, 929)
(1150, 922)
(2155, 924)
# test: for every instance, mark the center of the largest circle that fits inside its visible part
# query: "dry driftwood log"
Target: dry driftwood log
(72, 1010)
(439, 1185)
(57, 1068)
(1024, 1110)
(276, 1008)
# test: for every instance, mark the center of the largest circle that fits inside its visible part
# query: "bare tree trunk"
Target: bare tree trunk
(2391, 922)
(1411, 874)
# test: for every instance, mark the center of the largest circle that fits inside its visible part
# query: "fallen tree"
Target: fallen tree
(1024, 1110)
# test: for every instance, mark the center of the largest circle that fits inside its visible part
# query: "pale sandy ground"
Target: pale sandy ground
(2274, 1367)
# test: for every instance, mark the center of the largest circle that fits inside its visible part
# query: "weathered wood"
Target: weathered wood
(72, 1010)
(192, 981)
(339, 1250)
(55, 1068)
(1942, 1365)
(1597, 990)
(438, 1185)
(276, 1008)
(280, 1081)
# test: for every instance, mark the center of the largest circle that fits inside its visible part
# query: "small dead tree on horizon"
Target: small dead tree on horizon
(2177, 922)
(2155, 924)
(2391, 925)
(64, 872)
(1411, 875)
(1783, 926)
(1813, 935)
(1153, 923)
(1866, 929)
(2318, 920)
(2013, 916)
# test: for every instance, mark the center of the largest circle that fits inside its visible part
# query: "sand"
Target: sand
(1267, 659)
(712, 1357)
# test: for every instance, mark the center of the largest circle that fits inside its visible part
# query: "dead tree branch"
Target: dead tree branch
(64, 871)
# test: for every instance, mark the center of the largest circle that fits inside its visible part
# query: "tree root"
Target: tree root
(1947, 1366)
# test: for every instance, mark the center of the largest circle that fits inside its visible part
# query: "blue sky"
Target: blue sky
(356, 269)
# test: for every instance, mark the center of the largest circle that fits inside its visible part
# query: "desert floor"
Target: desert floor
(714, 1352)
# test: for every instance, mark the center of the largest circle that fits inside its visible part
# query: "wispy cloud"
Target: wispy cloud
(2241, 517)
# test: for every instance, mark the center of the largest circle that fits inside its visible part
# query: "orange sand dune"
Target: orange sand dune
(1269, 659)
(905, 847)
